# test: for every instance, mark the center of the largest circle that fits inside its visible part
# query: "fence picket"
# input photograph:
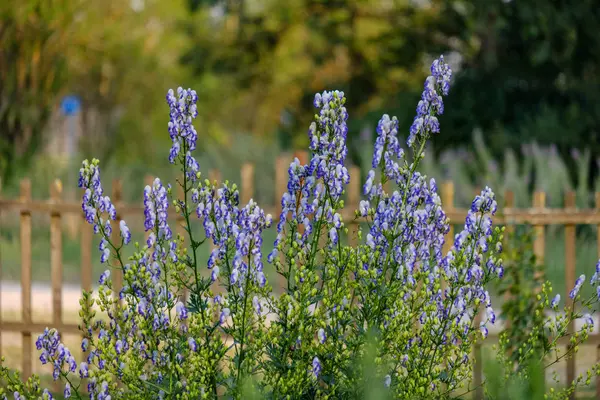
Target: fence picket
(539, 249)
(26, 278)
(56, 267)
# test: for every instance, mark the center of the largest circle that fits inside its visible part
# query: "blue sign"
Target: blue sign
(70, 105)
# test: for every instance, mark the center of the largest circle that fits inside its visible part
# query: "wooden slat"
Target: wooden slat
(353, 188)
(570, 202)
(26, 279)
(447, 204)
(56, 266)
(353, 201)
(36, 327)
(281, 166)
(215, 177)
(117, 273)
(530, 216)
(247, 183)
(539, 249)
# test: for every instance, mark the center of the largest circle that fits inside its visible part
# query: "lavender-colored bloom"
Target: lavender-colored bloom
(104, 278)
(436, 86)
(182, 312)
(387, 381)
(193, 345)
(83, 370)
(321, 335)
(215, 273)
(555, 301)
(183, 111)
(588, 321)
(484, 330)
(578, 283)
(67, 392)
(316, 367)
(125, 233)
(256, 305)
(224, 314)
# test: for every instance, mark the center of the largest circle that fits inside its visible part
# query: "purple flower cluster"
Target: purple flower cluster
(96, 207)
(314, 189)
(183, 111)
(53, 351)
(408, 228)
(247, 233)
(156, 204)
(431, 103)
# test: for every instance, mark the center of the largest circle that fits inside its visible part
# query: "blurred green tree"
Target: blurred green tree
(266, 59)
(115, 55)
(530, 71)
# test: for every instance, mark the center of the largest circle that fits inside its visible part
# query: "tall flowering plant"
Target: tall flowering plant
(395, 296)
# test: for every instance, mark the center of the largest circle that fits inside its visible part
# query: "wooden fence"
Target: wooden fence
(538, 216)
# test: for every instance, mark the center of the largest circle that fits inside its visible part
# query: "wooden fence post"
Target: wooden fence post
(247, 183)
(281, 166)
(26, 277)
(570, 238)
(539, 244)
(353, 198)
(56, 267)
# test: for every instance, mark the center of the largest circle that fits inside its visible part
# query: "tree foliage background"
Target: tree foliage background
(525, 70)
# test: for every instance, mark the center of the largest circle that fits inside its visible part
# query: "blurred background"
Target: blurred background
(84, 78)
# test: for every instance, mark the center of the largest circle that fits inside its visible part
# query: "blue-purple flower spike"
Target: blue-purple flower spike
(431, 104)
(183, 111)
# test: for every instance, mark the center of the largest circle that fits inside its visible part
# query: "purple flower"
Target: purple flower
(183, 111)
(321, 335)
(125, 233)
(182, 312)
(555, 301)
(578, 283)
(224, 314)
(193, 345)
(316, 367)
(67, 392)
(257, 306)
(103, 279)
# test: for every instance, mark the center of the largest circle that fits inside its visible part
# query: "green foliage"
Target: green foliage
(523, 279)
(275, 54)
(119, 70)
(529, 72)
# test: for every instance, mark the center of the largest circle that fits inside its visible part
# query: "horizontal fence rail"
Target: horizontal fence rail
(537, 216)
